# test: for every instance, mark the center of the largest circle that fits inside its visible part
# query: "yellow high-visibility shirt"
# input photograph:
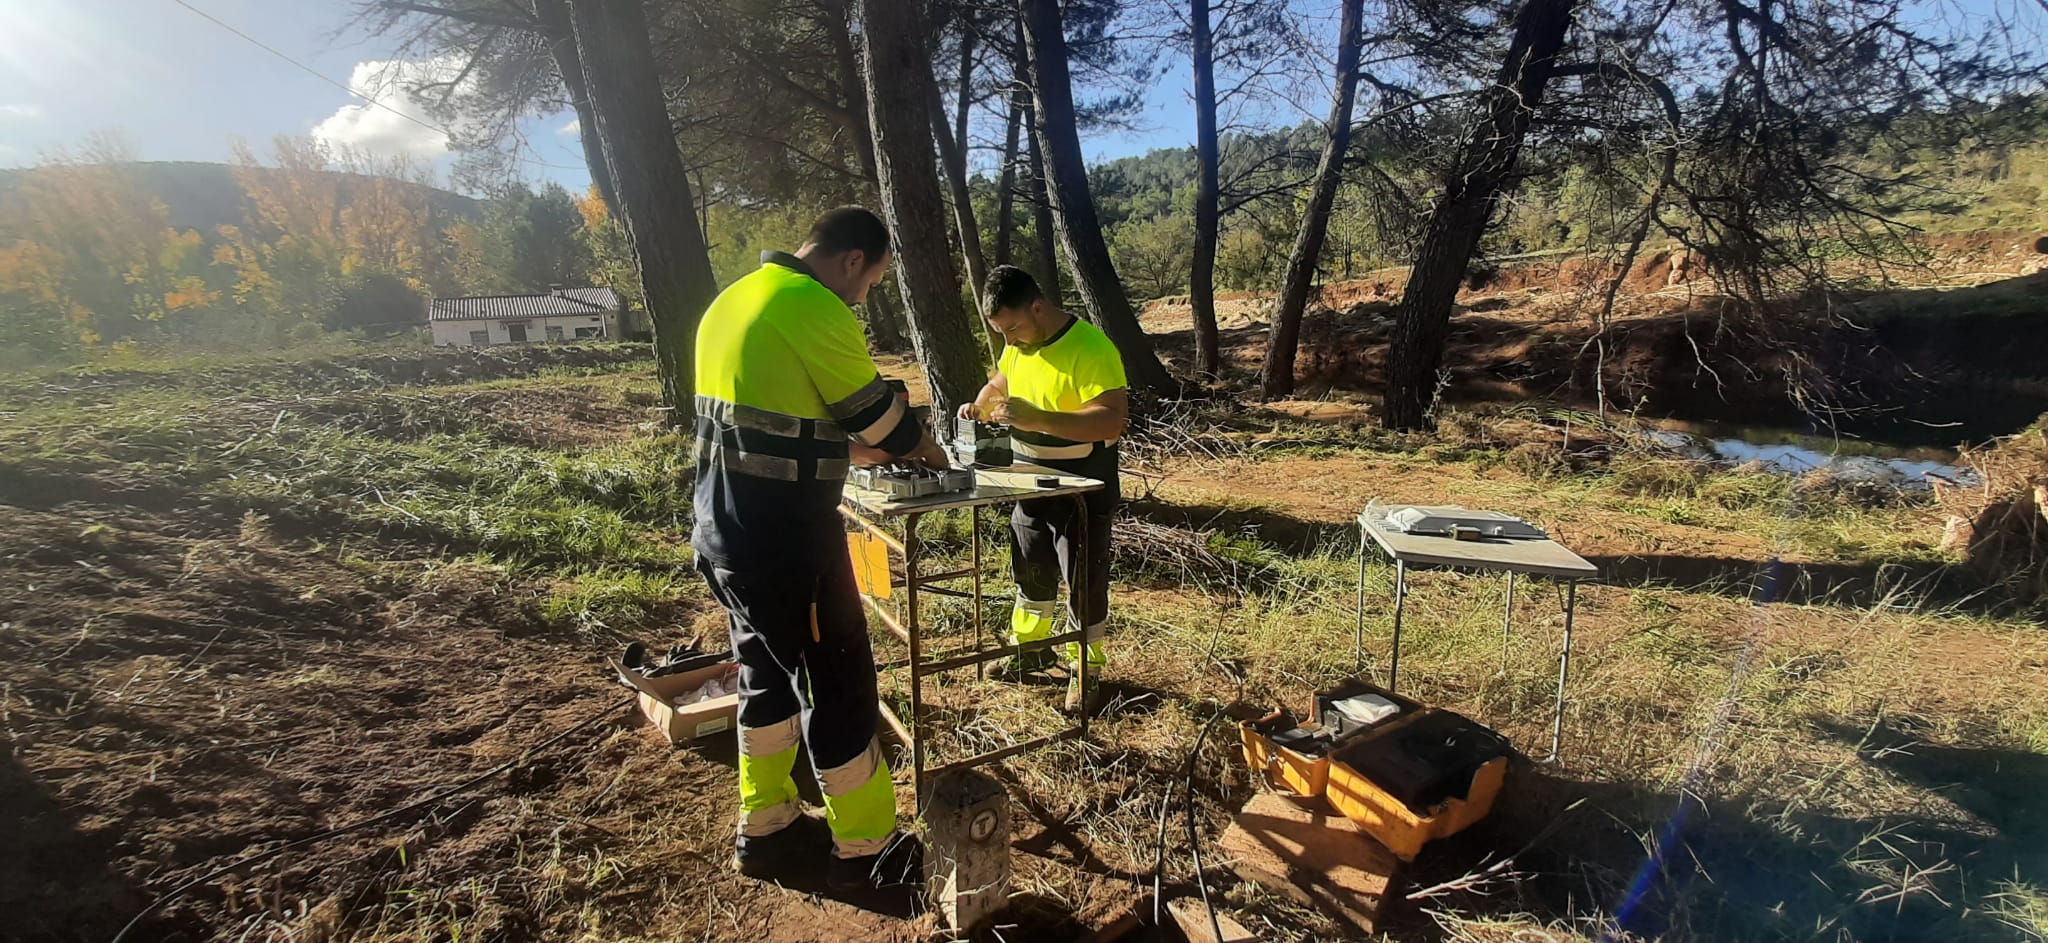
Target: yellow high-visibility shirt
(1065, 373)
(783, 381)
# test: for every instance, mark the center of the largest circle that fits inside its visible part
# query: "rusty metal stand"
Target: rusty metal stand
(909, 627)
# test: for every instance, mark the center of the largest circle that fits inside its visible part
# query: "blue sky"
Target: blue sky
(180, 87)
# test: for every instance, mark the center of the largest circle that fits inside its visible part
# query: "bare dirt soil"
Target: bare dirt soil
(185, 690)
(189, 685)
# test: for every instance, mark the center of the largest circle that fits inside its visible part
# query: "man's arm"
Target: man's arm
(1098, 420)
(993, 393)
(877, 423)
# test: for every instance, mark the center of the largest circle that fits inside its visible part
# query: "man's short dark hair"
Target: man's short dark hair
(1011, 287)
(850, 229)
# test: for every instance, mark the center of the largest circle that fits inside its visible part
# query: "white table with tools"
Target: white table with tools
(1480, 541)
(867, 509)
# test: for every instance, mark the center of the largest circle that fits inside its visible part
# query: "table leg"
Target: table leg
(974, 540)
(1507, 623)
(1564, 670)
(1078, 592)
(1358, 640)
(915, 627)
(1400, 604)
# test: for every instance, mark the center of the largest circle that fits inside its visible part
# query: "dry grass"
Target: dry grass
(1856, 764)
(2000, 522)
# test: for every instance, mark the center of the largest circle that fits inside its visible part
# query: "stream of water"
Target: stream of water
(1796, 453)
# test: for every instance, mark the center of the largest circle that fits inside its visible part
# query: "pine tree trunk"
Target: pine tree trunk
(1074, 208)
(1047, 264)
(656, 208)
(954, 159)
(1486, 159)
(1045, 234)
(561, 39)
(885, 320)
(851, 85)
(1285, 337)
(1202, 274)
(1006, 185)
(963, 104)
(900, 96)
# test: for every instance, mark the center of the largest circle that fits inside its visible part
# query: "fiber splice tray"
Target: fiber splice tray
(1421, 777)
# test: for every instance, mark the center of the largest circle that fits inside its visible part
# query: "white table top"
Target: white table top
(1538, 557)
(991, 486)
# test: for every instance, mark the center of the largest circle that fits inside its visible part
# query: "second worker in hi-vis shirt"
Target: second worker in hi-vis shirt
(1060, 387)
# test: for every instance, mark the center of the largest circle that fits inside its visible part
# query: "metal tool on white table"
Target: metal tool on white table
(903, 480)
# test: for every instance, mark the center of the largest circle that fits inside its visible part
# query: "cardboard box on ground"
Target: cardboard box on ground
(666, 700)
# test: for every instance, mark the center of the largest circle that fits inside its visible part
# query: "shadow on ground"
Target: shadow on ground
(1667, 864)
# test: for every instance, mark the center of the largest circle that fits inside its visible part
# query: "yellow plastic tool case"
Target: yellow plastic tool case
(1408, 782)
(1291, 758)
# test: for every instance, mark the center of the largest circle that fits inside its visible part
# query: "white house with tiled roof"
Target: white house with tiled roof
(564, 314)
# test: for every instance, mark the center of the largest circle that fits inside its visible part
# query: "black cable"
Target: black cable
(1194, 839)
(380, 818)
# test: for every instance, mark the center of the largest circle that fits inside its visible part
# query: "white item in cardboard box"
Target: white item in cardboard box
(1365, 709)
(711, 689)
(673, 702)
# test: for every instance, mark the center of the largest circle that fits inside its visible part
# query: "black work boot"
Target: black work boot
(900, 863)
(779, 854)
(1022, 665)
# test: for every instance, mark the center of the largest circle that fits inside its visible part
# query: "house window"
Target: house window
(480, 338)
(554, 332)
(516, 333)
(583, 333)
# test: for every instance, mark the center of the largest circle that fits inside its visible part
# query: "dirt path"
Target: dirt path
(1297, 500)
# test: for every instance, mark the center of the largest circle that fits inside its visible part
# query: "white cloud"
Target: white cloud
(386, 131)
(573, 129)
(20, 112)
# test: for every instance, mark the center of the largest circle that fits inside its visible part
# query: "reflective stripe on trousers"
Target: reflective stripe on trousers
(806, 671)
(1043, 536)
(768, 802)
(1032, 620)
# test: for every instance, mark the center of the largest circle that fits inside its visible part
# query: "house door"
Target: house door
(517, 332)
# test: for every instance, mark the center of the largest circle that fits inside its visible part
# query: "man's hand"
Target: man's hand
(930, 455)
(1018, 413)
(865, 456)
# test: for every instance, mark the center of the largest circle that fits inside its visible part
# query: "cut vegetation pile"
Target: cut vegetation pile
(2000, 522)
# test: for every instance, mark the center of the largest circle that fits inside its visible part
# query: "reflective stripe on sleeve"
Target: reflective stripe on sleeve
(848, 410)
(1034, 450)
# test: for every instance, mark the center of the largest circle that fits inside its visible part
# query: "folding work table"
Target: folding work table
(992, 486)
(1531, 556)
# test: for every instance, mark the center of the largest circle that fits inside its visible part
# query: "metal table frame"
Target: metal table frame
(993, 486)
(1532, 557)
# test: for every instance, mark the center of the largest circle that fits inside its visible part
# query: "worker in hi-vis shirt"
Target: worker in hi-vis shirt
(1060, 387)
(787, 398)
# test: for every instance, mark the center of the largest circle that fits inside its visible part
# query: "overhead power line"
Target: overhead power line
(309, 70)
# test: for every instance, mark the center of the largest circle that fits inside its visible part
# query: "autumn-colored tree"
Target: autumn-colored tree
(106, 253)
(611, 256)
(34, 316)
